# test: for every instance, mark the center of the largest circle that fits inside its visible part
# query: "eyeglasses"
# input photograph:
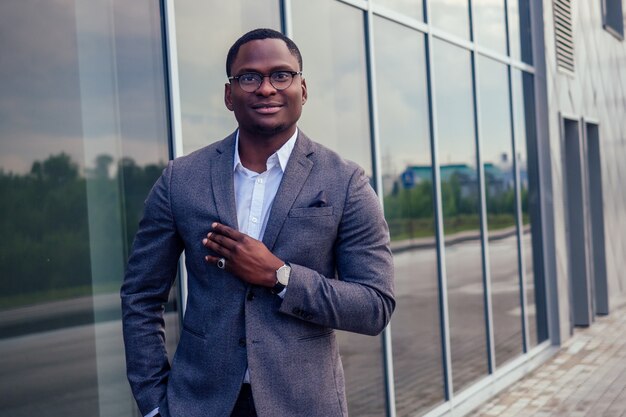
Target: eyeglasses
(251, 81)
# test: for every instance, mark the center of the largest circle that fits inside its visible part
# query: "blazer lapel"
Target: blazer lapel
(222, 182)
(296, 173)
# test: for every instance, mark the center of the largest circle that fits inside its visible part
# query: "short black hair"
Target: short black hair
(260, 34)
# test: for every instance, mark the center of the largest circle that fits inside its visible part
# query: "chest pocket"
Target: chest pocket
(315, 227)
(311, 212)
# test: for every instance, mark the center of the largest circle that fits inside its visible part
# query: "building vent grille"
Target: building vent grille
(564, 35)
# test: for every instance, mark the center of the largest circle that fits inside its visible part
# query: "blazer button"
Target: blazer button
(250, 296)
(242, 342)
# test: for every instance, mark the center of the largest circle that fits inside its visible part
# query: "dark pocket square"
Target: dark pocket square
(320, 200)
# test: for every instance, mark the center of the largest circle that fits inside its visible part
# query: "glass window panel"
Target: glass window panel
(331, 37)
(83, 136)
(514, 29)
(497, 155)
(451, 16)
(461, 215)
(523, 105)
(408, 198)
(411, 8)
(519, 30)
(490, 24)
(204, 32)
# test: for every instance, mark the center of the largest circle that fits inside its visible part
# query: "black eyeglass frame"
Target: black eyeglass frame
(262, 77)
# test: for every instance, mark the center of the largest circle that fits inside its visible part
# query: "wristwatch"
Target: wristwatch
(282, 279)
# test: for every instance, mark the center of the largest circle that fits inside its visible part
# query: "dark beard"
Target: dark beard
(264, 131)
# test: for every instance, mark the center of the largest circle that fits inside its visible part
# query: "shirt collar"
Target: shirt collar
(282, 154)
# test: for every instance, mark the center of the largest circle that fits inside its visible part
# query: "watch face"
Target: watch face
(282, 275)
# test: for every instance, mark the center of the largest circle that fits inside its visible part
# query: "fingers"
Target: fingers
(222, 240)
(212, 259)
(219, 238)
(229, 232)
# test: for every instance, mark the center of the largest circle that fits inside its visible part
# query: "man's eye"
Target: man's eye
(281, 76)
(248, 78)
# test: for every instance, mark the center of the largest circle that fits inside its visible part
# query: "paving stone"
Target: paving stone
(587, 378)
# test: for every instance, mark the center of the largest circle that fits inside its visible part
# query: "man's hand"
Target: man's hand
(247, 258)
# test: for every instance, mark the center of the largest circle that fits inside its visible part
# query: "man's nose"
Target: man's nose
(266, 87)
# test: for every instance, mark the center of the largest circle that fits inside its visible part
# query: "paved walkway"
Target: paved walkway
(587, 378)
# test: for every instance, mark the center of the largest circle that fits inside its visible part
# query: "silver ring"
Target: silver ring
(221, 263)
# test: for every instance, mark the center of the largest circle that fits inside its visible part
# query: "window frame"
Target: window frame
(608, 8)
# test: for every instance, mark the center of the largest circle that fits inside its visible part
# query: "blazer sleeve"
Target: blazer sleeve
(149, 276)
(361, 300)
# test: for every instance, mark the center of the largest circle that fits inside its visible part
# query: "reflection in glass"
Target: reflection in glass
(523, 134)
(331, 37)
(461, 215)
(513, 20)
(408, 199)
(451, 16)
(411, 8)
(83, 137)
(519, 30)
(205, 30)
(497, 151)
(489, 24)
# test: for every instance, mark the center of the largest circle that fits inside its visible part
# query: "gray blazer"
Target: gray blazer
(326, 221)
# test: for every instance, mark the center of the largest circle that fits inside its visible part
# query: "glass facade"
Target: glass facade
(202, 61)
(334, 66)
(451, 16)
(336, 115)
(84, 134)
(407, 174)
(500, 197)
(489, 22)
(461, 212)
(410, 8)
(85, 131)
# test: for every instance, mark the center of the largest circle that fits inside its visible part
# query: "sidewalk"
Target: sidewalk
(586, 378)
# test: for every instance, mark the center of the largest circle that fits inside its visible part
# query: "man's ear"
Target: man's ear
(304, 93)
(227, 98)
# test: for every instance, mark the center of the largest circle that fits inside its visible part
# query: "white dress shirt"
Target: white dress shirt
(254, 195)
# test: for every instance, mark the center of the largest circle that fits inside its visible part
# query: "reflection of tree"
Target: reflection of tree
(409, 211)
(45, 249)
(409, 207)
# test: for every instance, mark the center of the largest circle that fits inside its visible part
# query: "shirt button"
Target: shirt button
(259, 180)
(254, 220)
(242, 342)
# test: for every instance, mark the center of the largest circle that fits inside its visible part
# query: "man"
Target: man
(284, 242)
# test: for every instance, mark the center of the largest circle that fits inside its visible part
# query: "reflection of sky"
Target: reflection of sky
(39, 90)
(205, 31)
(402, 99)
(413, 8)
(331, 39)
(489, 24)
(40, 96)
(514, 29)
(451, 15)
(495, 119)
(453, 94)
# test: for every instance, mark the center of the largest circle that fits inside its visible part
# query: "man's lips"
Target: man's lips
(267, 108)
